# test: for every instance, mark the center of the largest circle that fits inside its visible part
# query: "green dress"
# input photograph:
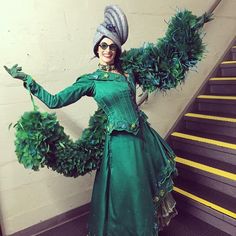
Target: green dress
(132, 188)
(131, 194)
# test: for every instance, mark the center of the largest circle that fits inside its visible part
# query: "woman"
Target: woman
(131, 195)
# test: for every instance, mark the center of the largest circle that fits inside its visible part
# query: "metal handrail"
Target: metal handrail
(144, 97)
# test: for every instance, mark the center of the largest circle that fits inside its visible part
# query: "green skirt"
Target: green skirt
(131, 194)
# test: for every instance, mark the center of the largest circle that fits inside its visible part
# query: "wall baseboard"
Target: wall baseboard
(53, 222)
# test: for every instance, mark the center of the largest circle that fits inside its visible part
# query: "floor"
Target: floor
(181, 225)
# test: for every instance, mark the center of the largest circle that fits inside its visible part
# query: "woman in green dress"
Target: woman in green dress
(133, 184)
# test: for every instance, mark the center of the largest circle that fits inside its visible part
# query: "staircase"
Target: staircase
(204, 141)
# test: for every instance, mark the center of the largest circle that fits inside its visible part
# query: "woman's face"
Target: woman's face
(107, 51)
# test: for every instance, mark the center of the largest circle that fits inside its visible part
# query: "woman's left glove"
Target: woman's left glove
(16, 72)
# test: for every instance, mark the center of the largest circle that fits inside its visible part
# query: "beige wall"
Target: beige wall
(52, 40)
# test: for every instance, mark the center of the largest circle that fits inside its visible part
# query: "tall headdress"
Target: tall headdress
(115, 27)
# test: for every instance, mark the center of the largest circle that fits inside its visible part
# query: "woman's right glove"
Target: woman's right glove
(16, 72)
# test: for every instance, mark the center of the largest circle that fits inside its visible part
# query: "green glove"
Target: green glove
(16, 72)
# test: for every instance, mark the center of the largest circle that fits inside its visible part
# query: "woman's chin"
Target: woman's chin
(107, 62)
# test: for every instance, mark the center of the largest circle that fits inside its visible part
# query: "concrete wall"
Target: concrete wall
(52, 40)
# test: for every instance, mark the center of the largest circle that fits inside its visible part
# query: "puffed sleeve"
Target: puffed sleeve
(83, 86)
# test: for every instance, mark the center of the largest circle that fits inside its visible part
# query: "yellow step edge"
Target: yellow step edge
(217, 97)
(206, 203)
(219, 118)
(222, 78)
(228, 62)
(234, 47)
(206, 168)
(205, 140)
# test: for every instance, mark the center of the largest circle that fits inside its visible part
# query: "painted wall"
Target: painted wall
(52, 40)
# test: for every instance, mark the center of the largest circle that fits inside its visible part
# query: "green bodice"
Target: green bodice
(114, 93)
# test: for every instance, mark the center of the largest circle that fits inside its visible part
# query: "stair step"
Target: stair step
(204, 213)
(207, 197)
(222, 86)
(228, 68)
(213, 147)
(216, 104)
(185, 224)
(216, 140)
(218, 114)
(222, 80)
(207, 168)
(204, 117)
(214, 153)
(210, 124)
(206, 161)
(228, 63)
(214, 178)
(218, 183)
(217, 97)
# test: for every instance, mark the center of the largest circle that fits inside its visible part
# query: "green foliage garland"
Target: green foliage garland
(41, 140)
(163, 65)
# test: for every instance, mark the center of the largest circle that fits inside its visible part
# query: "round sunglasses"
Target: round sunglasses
(112, 47)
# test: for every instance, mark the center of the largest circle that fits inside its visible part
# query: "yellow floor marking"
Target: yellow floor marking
(217, 97)
(206, 168)
(201, 116)
(223, 78)
(205, 140)
(228, 62)
(206, 203)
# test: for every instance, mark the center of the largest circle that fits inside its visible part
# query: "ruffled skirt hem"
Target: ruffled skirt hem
(166, 211)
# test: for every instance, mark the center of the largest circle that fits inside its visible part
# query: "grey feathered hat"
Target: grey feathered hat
(115, 27)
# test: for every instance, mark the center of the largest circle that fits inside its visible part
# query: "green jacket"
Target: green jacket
(114, 93)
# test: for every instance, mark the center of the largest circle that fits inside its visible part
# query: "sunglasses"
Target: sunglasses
(112, 47)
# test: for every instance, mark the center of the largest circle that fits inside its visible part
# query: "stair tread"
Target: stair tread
(222, 78)
(228, 62)
(217, 96)
(185, 224)
(219, 114)
(222, 95)
(206, 161)
(216, 137)
(222, 81)
(216, 99)
(210, 119)
(225, 201)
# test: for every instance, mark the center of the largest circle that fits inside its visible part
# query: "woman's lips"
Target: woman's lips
(107, 55)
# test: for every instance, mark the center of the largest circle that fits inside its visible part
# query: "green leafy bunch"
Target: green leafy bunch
(41, 141)
(163, 65)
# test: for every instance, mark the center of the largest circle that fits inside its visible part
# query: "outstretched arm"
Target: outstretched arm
(163, 65)
(82, 86)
